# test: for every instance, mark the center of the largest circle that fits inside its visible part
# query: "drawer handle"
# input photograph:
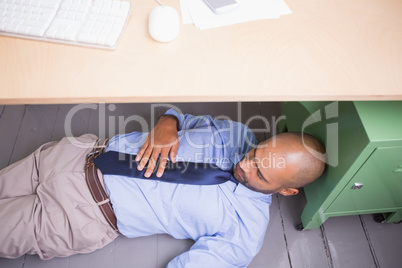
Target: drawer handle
(357, 186)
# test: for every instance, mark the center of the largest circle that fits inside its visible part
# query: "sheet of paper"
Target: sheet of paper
(185, 14)
(197, 12)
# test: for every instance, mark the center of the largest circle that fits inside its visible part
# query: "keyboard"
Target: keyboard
(95, 23)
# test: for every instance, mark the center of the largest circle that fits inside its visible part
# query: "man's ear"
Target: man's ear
(288, 191)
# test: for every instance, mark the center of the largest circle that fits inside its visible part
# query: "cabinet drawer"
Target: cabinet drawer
(381, 177)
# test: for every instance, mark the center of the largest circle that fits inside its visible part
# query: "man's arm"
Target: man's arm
(163, 139)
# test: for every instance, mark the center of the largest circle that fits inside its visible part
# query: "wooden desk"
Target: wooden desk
(325, 50)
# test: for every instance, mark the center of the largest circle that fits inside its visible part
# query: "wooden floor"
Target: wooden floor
(352, 241)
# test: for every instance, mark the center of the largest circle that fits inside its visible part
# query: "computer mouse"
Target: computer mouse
(164, 23)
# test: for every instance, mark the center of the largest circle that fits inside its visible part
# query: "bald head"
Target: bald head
(303, 155)
(282, 164)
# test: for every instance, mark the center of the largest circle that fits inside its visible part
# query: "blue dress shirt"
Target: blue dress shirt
(227, 221)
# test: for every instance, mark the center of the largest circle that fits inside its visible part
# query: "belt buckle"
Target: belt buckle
(98, 148)
(93, 154)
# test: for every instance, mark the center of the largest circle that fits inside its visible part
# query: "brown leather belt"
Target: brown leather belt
(95, 187)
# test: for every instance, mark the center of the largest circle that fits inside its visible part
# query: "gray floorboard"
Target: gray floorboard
(346, 235)
(386, 241)
(71, 121)
(137, 252)
(101, 258)
(12, 263)
(36, 129)
(227, 110)
(33, 261)
(305, 248)
(137, 117)
(273, 252)
(272, 113)
(104, 119)
(250, 115)
(168, 248)
(10, 123)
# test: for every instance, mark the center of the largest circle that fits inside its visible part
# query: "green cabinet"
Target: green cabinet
(364, 154)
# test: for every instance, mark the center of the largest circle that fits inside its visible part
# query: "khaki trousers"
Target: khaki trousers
(46, 207)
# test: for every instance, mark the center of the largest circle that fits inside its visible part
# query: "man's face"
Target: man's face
(265, 169)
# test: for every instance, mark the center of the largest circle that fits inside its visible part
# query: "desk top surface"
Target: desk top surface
(324, 50)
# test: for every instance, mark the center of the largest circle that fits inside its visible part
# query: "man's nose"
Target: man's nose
(245, 166)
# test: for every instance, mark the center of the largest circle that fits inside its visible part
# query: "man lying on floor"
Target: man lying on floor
(57, 203)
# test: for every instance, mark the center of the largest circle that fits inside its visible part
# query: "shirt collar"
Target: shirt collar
(246, 192)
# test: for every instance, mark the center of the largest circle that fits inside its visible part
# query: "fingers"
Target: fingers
(150, 156)
(173, 152)
(144, 156)
(162, 166)
(142, 150)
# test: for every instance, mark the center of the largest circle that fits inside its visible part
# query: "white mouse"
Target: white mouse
(164, 23)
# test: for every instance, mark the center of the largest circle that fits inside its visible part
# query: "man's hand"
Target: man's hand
(162, 139)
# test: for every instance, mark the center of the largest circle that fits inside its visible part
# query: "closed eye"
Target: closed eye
(259, 172)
